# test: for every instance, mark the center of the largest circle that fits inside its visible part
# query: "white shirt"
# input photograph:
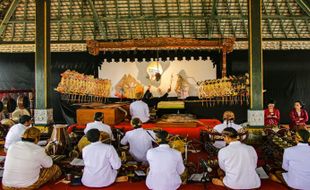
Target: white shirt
(296, 162)
(101, 164)
(140, 141)
(14, 135)
(239, 163)
(220, 127)
(166, 166)
(140, 110)
(100, 126)
(23, 163)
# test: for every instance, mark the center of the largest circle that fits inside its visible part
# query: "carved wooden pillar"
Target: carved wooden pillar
(224, 64)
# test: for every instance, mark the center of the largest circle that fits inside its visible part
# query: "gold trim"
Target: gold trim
(261, 54)
(250, 51)
(45, 54)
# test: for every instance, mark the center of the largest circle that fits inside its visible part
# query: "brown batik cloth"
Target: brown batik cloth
(46, 175)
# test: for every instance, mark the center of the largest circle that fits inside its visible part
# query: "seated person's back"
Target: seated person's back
(239, 162)
(296, 162)
(101, 162)
(26, 162)
(139, 139)
(16, 131)
(98, 124)
(139, 109)
(166, 166)
(228, 121)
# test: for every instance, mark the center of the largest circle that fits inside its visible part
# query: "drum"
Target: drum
(59, 143)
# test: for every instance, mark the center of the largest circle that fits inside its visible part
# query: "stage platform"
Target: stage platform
(190, 132)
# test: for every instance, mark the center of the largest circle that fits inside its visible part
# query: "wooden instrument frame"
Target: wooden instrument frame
(164, 43)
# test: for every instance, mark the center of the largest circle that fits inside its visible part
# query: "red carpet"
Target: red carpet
(192, 132)
(266, 185)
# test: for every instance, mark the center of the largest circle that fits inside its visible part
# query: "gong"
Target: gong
(9, 104)
(23, 101)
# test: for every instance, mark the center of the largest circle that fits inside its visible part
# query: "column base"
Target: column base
(43, 116)
(256, 118)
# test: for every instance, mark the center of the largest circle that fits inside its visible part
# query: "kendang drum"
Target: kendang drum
(59, 143)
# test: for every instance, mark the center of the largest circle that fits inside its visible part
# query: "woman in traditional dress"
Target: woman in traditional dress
(299, 116)
(272, 115)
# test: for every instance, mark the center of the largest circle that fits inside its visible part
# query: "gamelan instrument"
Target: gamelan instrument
(59, 143)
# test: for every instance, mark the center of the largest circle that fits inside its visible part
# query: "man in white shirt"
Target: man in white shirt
(166, 166)
(140, 110)
(101, 162)
(139, 139)
(98, 124)
(27, 165)
(106, 134)
(16, 131)
(296, 162)
(238, 161)
(228, 121)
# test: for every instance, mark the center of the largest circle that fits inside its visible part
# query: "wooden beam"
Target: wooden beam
(129, 23)
(231, 22)
(58, 18)
(180, 15)
(281, 21)
(304, 5)
(96, 17)
(154, 15)
(294, 22)
(8, 16)
(25, 18)
(95, 47)
(151, 18)
(213, 14)
(243, 20)
(268, 20)
(141, 24)
(117, 21)
(70, 16)
(167, 11)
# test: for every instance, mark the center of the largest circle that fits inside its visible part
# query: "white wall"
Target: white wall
(192, 70)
